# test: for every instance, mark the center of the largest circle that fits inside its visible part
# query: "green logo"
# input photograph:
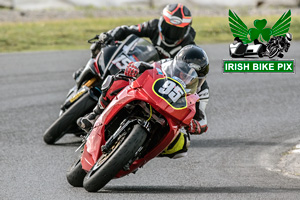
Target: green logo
(239, 29)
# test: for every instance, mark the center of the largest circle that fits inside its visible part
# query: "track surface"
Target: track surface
(253, 120)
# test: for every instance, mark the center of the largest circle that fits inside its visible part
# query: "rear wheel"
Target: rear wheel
(68, 119)
(108, 165)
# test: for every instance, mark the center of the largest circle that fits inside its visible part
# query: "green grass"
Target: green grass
(73, 34)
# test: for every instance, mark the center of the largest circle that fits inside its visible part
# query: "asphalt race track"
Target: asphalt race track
(253, 121)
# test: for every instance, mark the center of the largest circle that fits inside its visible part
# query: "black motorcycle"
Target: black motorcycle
(277, 46)
(274, 50)
(83, 97)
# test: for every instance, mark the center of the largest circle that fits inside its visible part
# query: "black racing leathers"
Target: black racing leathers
(150, 29)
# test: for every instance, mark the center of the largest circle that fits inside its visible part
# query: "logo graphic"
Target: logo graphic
(275, 46)
(239, 29)
(175, 20)
(268, 42)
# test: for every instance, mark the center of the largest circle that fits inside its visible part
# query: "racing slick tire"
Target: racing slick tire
(76, 174)
(107, 167)
(68, 119)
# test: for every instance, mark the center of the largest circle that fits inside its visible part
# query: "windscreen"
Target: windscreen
(183, 73)
(143, 51)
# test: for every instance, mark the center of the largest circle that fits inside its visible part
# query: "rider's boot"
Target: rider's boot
(280, 55)
(178, 148)
(88, 121)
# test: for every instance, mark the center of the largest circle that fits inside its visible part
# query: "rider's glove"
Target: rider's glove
(105, 38)
(131, 70)
(195, 128)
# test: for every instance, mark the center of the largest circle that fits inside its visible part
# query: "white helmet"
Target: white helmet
(288, 37)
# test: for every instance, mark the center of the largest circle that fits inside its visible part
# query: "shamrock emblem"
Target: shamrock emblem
(239, 29)
(260, 31)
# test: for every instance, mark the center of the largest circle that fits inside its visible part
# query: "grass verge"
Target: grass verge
(73, 34)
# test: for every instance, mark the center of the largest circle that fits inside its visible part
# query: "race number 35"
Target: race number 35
(171, 89)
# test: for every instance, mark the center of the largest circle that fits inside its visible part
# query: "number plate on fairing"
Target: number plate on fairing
(122, 61)
(171, 91)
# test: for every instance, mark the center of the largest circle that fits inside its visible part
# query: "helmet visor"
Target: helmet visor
(172, 33)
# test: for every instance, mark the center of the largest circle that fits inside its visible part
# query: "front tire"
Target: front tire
(76, 174)
(273, 51)
(68, 119)
(106, 169)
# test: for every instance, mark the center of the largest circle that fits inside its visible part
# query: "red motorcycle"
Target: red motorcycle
(137, 125)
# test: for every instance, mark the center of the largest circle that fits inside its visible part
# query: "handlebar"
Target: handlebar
(97, 45)
(97, 38)
(91, 41)
(120, 76)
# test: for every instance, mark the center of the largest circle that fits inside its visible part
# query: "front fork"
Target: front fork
(84, 89)
(111, 141)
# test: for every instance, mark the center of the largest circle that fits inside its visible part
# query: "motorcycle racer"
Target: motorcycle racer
(192, 56)
(283, 42)
(169, 33)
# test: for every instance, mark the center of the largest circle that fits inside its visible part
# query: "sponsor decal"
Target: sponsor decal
(171, 91)
(79, 94)
(175, 20)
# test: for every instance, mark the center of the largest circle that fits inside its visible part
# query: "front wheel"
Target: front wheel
(110, 164)
(68, 119)
(76, 174)
(273, 51)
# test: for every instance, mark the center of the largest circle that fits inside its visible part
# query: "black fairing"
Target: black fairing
(86, 74)
(104, 58)
(132, 51)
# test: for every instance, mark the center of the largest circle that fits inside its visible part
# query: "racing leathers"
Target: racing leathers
(150, 29)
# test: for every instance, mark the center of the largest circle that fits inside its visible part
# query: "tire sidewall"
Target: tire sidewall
(60, 126)
(116, 161)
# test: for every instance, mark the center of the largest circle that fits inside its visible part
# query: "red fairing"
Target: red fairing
(141, 89)
(96, 65)
(118, 84)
